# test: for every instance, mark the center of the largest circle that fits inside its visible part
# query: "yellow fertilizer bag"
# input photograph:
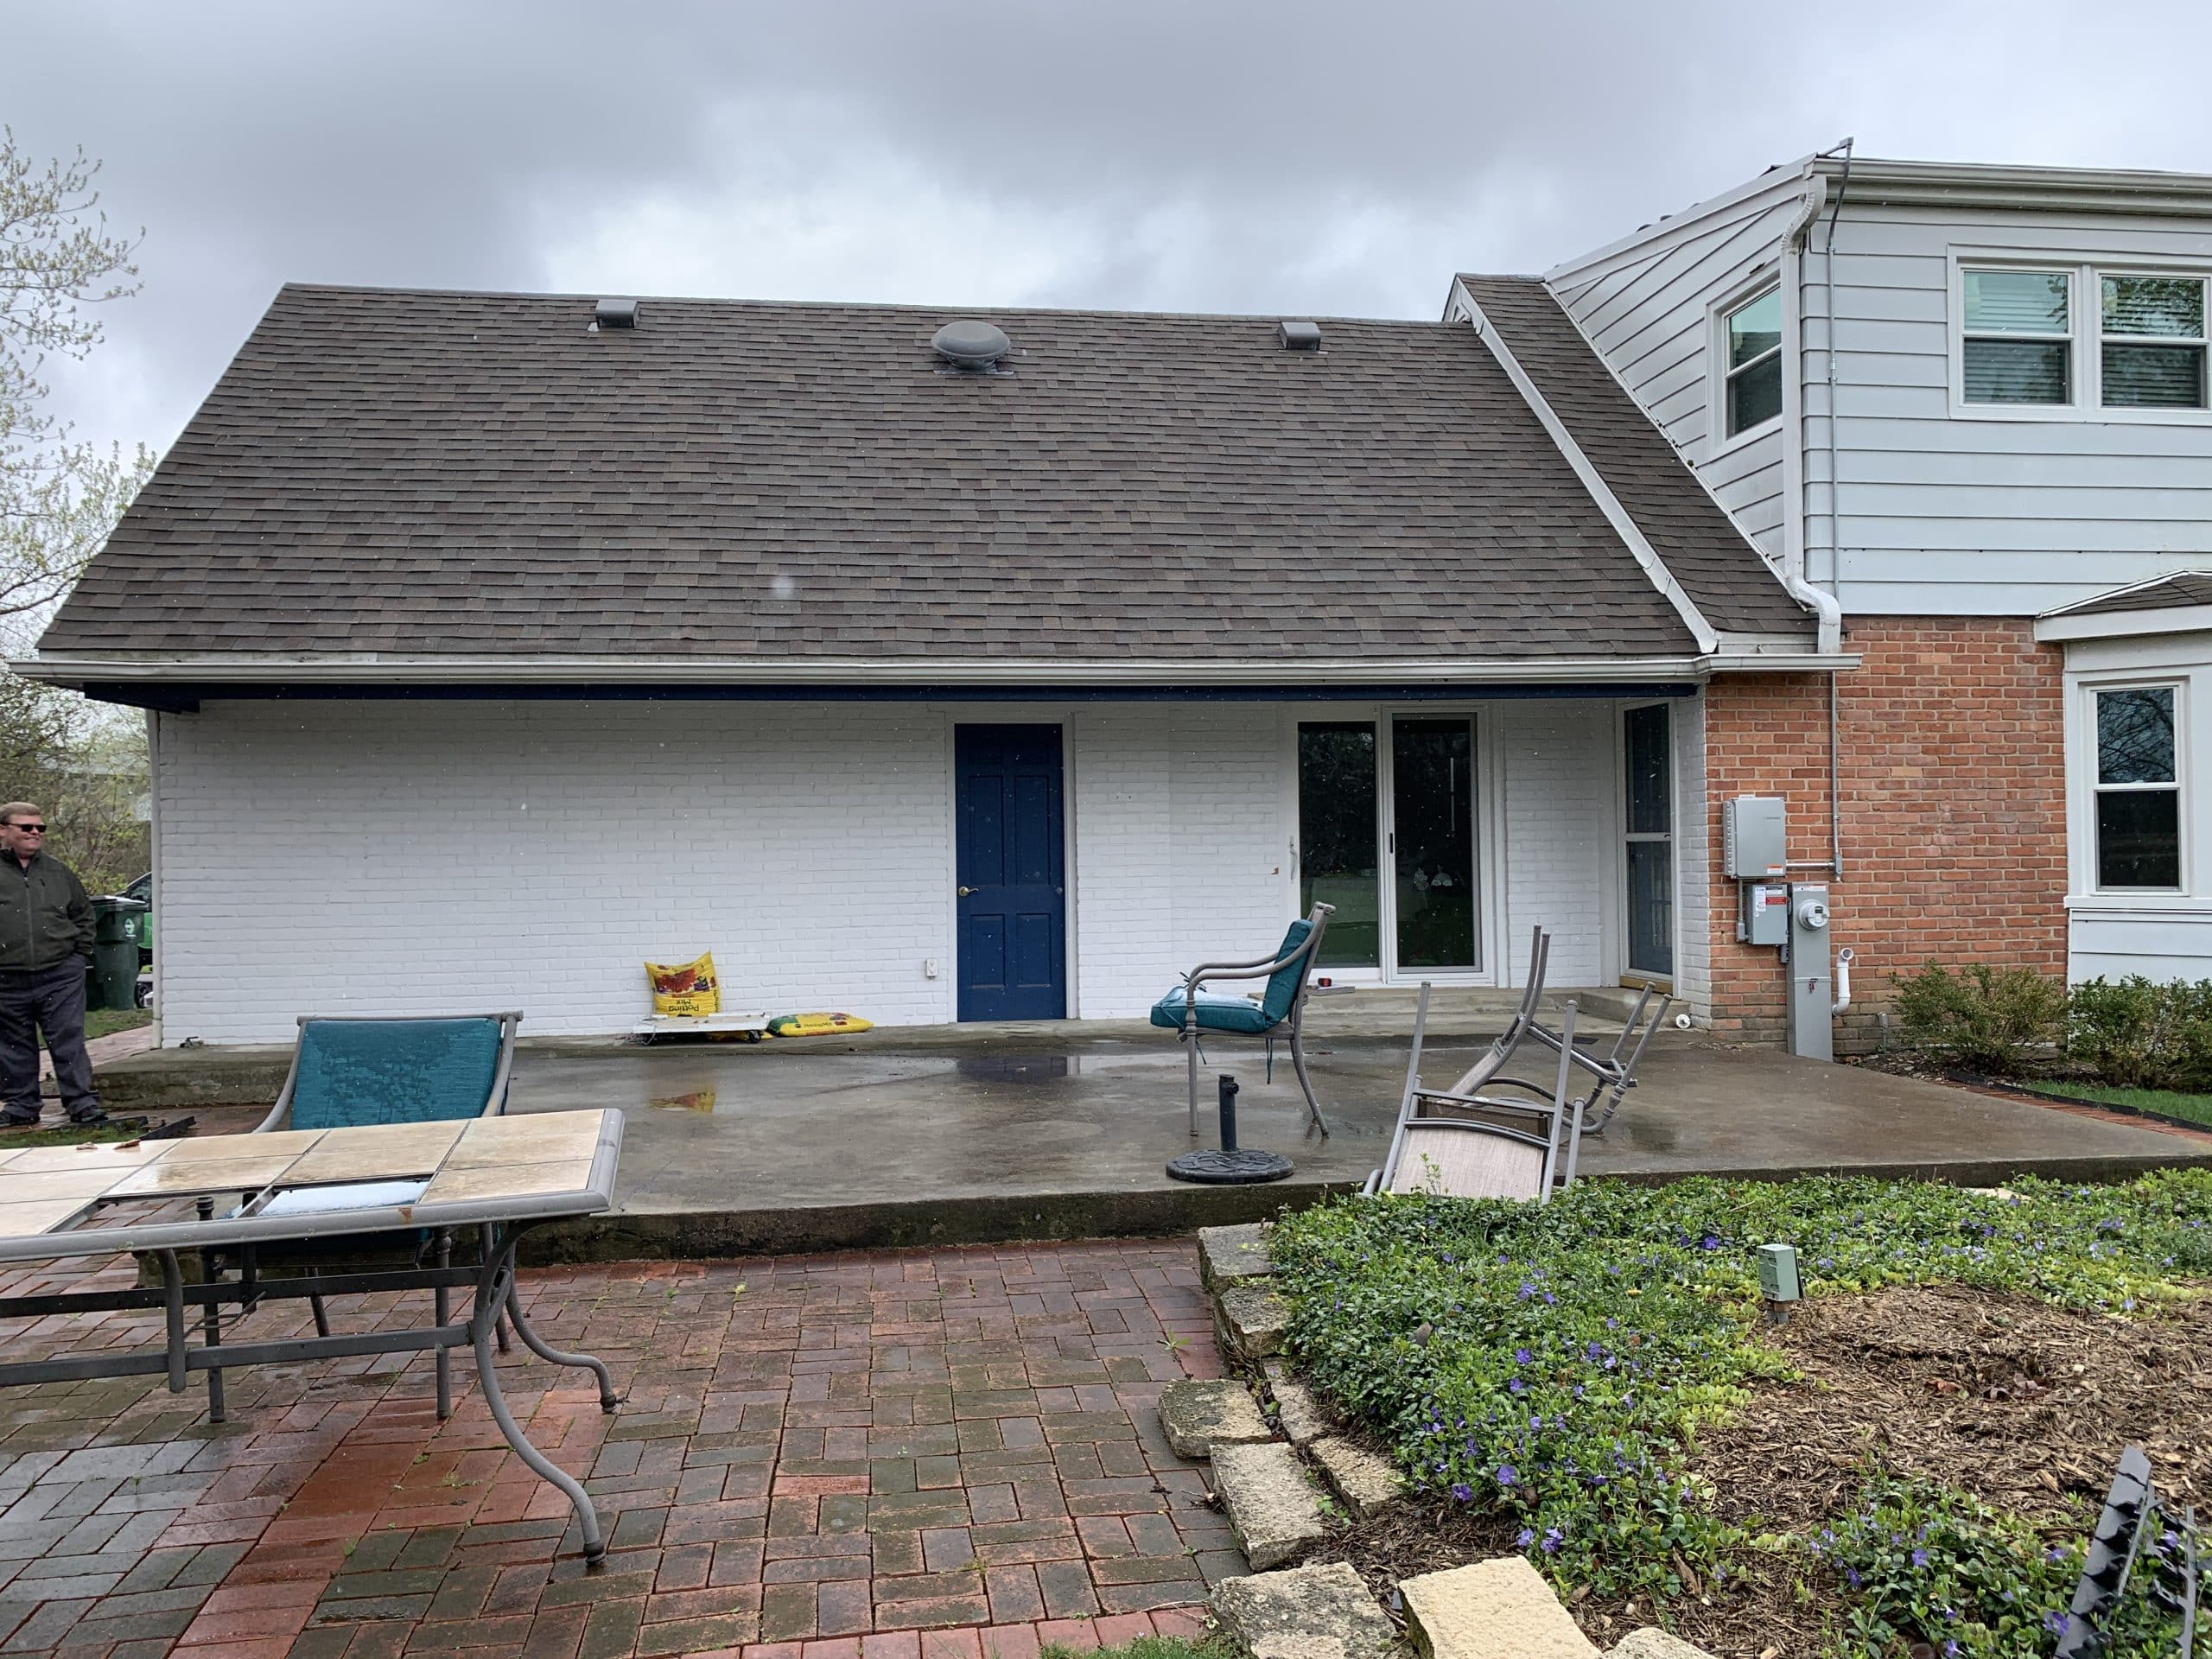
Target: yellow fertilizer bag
(685, 989)
(817, 1025)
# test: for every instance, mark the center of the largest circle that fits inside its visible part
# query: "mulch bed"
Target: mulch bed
(2026, 1406)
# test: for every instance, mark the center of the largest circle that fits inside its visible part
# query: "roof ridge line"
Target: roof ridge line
(1624, 523)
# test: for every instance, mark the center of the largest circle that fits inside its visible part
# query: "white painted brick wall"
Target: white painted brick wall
(408, 858)
(1560, 812)
(422, 857)
(1184, 816)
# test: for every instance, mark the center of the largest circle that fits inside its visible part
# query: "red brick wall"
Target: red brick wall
(1953, 778)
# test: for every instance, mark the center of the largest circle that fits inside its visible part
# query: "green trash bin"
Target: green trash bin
(117, 924)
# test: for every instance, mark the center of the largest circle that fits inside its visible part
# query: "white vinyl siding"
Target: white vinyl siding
(1948, 508)
(2161, 933)
(1650, 311)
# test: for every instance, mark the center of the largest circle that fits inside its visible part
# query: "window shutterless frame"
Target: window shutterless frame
(2137, 780)
(2150, 340)
(2087, 338)
(1745, 350)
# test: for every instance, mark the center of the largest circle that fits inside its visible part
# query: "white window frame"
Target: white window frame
(2085, 337)
(1749, 293)
(2092, 787)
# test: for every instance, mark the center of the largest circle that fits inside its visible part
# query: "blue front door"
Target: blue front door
(1013, 886)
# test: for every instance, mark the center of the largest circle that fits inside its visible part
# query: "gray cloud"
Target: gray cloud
(1290, 155)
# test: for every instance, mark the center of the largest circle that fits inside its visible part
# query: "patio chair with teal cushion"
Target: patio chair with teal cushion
(1279, 1010)
(348, 1071)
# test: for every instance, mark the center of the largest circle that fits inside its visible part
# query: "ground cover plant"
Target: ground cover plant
(1568, 1379)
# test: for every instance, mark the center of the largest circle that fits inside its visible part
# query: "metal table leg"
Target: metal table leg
(608, 1398)
(442, 1302)
(494, 1287)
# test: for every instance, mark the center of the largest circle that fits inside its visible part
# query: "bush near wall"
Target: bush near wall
(2010, 1022)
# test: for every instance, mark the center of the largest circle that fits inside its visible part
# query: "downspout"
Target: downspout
(1825, 607)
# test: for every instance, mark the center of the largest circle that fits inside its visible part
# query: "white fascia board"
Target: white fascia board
(2048, 189)
(378, 668)
(1787, 180)
(2120, 625)
(1640, 549)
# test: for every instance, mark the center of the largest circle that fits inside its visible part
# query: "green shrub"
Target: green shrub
(2141, 1035)
(2003, 1022)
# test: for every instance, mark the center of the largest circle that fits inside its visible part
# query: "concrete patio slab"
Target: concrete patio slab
(938, 1137)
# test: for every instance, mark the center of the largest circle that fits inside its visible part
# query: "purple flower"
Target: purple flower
(1528, 1537)
(1920, 1558)
(1553, 1538)
(1516, 1386)
(1508, 1475)
(1522, 1356)
(1463, 1492)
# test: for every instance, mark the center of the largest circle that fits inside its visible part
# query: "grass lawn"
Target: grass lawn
(1917, 1458)
(105, 1022)
(2196, 1109)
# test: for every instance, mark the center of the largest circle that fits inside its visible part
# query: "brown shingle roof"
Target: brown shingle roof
(1718, 568)
(2177, 592)
(425, 473)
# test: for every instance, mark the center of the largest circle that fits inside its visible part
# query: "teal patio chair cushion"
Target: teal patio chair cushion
(357, 1071)
(1282, 984)
(1217, 1011)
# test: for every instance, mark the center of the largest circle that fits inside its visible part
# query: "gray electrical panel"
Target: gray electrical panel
(1753, 841)
(1766, 913)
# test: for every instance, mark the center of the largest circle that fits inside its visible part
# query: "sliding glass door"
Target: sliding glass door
(1387, 835)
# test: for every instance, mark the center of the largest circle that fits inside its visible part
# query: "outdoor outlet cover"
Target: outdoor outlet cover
(929, 967)
(1778, 1273)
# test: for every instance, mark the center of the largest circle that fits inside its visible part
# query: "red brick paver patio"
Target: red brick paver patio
(912, 1455)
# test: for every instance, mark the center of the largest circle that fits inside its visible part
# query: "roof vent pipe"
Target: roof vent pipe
(972, 345)
(615, 313)
(1300, 336)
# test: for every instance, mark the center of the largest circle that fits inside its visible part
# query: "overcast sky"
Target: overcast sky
(1280, 157)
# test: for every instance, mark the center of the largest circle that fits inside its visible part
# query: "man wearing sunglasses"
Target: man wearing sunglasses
(46, 943)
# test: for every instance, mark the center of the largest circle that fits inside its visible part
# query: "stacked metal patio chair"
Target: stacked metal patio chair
(1492, 1136)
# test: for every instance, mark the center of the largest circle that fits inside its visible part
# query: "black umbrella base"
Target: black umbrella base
(1237, 1168)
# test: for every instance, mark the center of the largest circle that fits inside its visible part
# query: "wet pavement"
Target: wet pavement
(727, 1128)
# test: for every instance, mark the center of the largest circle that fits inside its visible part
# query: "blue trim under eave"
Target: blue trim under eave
(186, 697)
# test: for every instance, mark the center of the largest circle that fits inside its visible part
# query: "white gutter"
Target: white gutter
(1640, 549)
(378, 667)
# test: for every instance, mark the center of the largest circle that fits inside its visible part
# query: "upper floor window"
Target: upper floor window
(2083, 341)
(1754, 374)
(2153, 342)
(2019, 337)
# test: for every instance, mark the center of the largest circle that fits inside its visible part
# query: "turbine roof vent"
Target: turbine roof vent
(972, 345)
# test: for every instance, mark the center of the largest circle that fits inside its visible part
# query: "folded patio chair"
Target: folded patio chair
(1468, 1146)
(1280, 1011)
(1613, 1073)
(349, 1070)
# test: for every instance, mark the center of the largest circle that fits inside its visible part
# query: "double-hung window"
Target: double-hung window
(1752, 392)
(2152, 347)
(2018, 343)
(2083, 341)
(2138, 788)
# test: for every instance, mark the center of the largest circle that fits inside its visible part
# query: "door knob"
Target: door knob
(964, 892)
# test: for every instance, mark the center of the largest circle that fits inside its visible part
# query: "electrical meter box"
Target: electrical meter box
(1778, 1273)
(1752, 840)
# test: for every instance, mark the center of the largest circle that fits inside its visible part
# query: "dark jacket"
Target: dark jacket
(45, 917)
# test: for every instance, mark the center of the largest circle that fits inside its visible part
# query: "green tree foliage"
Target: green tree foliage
(59, 499)
(59, 496)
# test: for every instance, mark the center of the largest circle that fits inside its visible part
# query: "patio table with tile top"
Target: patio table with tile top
(916, 1455)
(224, 1201)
